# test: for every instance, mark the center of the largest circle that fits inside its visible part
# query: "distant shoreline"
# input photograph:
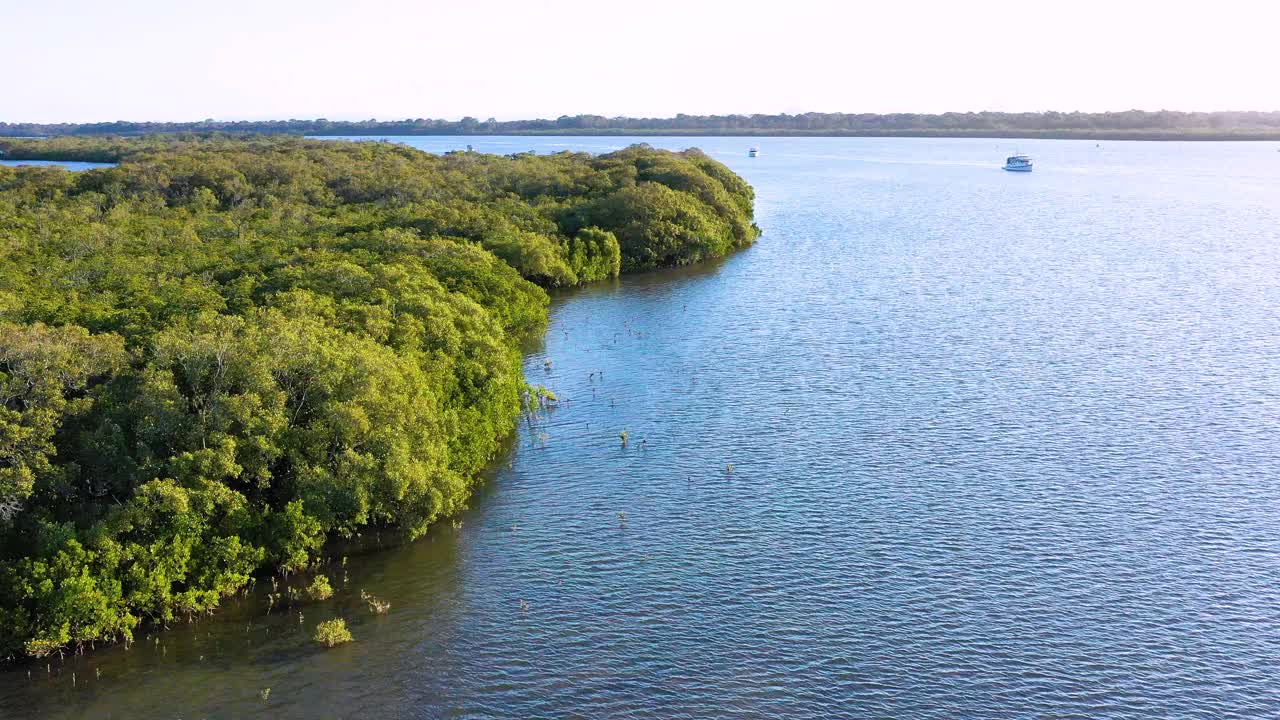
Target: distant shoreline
(1124, 125)
(1081, 134)
(1144, 135)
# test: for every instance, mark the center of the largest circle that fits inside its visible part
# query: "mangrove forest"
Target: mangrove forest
(221, 352)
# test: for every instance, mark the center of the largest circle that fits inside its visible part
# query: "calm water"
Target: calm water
(73, 165)
(1002, 446)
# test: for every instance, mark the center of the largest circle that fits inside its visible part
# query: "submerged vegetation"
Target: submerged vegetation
(221, 352)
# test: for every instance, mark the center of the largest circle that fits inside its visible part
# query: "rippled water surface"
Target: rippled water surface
(948, 442)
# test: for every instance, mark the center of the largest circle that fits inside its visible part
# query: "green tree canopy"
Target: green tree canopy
(220, 352)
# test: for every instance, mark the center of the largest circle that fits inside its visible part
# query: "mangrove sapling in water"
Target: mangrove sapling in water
(320, 588)
(332, 633)
(376, 606)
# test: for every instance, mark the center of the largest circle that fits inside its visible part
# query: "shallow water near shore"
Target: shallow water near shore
(947, 442)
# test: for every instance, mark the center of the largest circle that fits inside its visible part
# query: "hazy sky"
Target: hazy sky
(91, 60)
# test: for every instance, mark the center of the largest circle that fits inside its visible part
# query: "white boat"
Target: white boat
(1018, 163)
(753, 152)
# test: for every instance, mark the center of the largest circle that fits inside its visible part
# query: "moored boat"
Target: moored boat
(1018, 163)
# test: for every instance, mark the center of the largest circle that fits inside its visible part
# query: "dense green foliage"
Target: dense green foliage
(332, 633)
(220, 352)
(1130, 123)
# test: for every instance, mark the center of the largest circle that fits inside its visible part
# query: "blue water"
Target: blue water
(1002, 446)
(72, 165)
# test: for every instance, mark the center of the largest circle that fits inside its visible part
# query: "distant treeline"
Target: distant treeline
(1130, 124)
